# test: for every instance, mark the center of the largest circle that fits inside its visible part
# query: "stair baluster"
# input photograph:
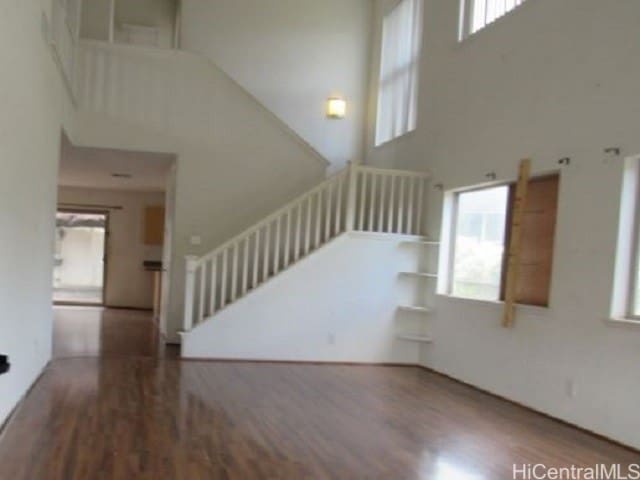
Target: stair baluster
(357, 198)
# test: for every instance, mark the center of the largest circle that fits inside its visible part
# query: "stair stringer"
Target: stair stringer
(338, 304)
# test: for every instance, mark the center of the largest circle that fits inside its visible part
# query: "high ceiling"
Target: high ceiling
(95, 168)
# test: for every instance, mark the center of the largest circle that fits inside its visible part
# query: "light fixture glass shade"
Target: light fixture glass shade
(336, 108)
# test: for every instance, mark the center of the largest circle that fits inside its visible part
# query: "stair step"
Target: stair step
(417, 309)
(420, 274)
(415, 338)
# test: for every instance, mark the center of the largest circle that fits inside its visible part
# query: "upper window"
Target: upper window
(477, 14)
(481, 226)
(399, 65)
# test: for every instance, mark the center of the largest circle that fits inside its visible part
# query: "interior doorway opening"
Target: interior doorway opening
(80, 257)
(134, 192)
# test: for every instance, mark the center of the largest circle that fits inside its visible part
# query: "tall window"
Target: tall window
(399, 65)
(480, 235)
(477, 14)
(633, 308)
(626, 291)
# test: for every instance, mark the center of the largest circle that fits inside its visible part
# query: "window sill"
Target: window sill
(387, 143)
(623, 321)
(526, 309)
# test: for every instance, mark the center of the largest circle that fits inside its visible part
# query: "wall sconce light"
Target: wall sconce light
(336, 108)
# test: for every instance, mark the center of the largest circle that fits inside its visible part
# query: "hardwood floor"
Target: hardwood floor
(131, 415)
(94, 331)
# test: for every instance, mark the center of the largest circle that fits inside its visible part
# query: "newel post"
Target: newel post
(189, 291)
(352, 186)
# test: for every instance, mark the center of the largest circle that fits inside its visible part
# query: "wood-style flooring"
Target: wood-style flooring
(129, 413)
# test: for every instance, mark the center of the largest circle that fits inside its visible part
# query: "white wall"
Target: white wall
(552, 79)
(338, 304)
(292, 55)
(128, 283)
(235, 161)
(31, 98)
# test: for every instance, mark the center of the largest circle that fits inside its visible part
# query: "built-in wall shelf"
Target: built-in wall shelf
(415, 309)
(414, 338)
(420, 274)
(420, 313)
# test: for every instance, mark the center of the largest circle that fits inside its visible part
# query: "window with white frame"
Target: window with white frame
(477, 14)
(479, 228)
(481, 217)
(626, 293)
(634, 287)
(634, 306)
(399, 66)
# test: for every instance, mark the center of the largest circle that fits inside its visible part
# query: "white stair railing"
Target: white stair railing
(358, 198)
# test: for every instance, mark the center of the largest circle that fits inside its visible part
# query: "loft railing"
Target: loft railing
(63, 31)
(358, 198)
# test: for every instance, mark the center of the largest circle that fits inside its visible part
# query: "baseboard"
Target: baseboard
(5, 424)
(78, 304)
(101, 305)
(531, 409)
(300, 362)
(137, 309)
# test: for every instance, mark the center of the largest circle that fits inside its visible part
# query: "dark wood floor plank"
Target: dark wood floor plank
(132, 413)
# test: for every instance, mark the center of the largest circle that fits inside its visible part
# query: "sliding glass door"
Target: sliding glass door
(80, 257)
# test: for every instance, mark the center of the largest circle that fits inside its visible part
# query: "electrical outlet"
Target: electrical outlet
(331, 339)
(195, 240)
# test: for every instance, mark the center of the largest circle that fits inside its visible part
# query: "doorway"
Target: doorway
(80, 257)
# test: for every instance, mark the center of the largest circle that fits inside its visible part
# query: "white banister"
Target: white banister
(372, 204)
(338, 217)
(351, 197)
(212, 293)
(287, 240)
(356, 198)
(276, 249)
(256, 259)
(189, 291)
(410, 206)
(316, 244)
(307, 233)
(296, 248)
(392, 195)
(224, 280)
(245, 267)
(267, 245)
(419, 202)
(201, 313)
(401, 206)
(234, 272)
(383, 191)
(327, 209)
(363, 199)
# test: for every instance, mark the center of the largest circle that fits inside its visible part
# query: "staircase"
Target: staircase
(358, 198)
